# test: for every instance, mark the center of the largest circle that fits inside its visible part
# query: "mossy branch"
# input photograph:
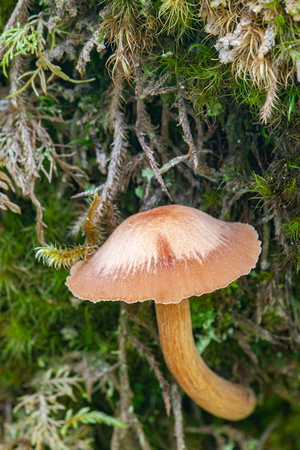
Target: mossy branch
(91, 222)
(61, 257)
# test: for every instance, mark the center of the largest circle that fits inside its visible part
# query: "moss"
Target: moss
(159, 73)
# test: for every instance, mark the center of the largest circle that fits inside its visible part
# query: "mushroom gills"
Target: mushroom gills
(215, 395)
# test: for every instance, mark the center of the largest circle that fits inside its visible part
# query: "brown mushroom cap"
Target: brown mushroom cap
(166, 254)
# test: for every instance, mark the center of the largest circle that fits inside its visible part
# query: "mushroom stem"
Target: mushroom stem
(214, 394)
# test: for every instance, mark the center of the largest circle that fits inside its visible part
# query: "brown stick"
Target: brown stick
(214, 394)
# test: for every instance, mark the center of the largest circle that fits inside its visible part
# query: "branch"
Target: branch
(139, 128)
(127, 414)
(176, 405)
(187, 134)
(112, 184)
(164, 385)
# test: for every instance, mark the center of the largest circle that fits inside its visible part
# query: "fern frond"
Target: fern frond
(61, 257)
(6, 203)
(84, 415)
(42, 408)
(60, 382)
(20, 40)
(5, 183)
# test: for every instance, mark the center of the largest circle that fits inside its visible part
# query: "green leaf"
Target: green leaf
(148, 173)
(139, 192)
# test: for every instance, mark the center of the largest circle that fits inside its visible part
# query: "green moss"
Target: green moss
(247, 173)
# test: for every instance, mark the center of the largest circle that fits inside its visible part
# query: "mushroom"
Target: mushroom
(169, 254)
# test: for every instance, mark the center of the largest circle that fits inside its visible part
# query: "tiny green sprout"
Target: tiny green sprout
(214, 109)
(139, 192)
(261, 187)
(203, 341)
(148, 173)
(292, 229)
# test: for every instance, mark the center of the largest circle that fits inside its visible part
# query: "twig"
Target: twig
(127, 414)
(150, 130)
(143, 324)
(73, 171)
(164, 385)
(257, 153)
(84, 55)
(39, 216)
(264, 262)
(100, 151)
(158, 84)
(176, 405)
(173, 163)
(235, 435)
(267, 218)
(152, 201)
(140, 135)
(146, 7)
(220, 441)
(266, 434)
(245, 346)
(89, 192)
(234, 198)
(187, 134)
(256, 330)
(117, 124)
(163, 90)
(165, 121)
